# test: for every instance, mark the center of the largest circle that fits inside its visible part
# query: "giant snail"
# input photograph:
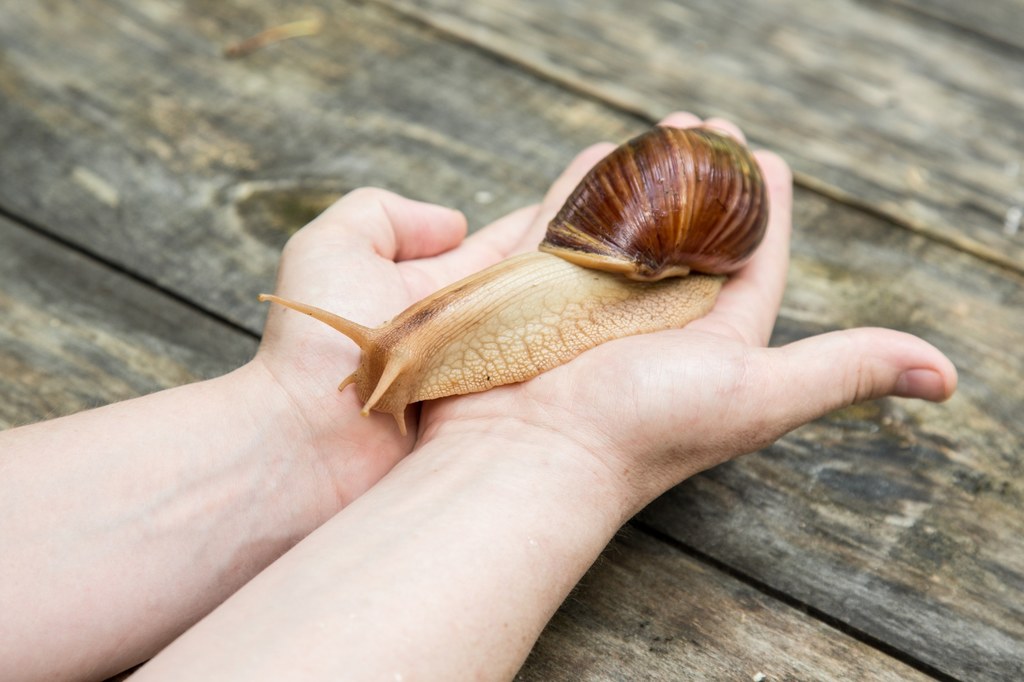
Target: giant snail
(641, 245)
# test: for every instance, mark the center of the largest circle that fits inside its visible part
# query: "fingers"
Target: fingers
(811, 377)
(395, 227)
(499, 239)
(727, 127)
(684, 119)
(421, 229)
(681, 119)
(480, 250)
(750, 300)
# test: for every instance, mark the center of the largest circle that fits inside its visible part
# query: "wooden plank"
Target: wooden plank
(133, 137)
(920, 123)
(996, 20)
(648, 612)
(77, 335)
(901, 519)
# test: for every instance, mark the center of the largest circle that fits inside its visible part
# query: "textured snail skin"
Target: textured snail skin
(533, 312)
(505, 324)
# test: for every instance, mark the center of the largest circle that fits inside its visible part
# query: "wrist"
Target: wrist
(321, 431)
(536, 459)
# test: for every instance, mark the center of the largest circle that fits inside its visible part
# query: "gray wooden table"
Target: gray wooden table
(147, 184)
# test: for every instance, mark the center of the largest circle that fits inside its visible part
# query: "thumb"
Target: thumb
(830, 371)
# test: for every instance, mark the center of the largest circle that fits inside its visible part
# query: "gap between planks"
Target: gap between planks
(812, 612)
(124, 271)
(927, 12)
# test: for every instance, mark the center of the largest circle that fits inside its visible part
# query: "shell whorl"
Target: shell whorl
(664, 203)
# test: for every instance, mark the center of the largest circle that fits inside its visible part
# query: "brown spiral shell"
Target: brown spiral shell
(664, 203)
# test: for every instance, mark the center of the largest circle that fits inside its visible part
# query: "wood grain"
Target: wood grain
(648, 612)
(127, 134)
(917, 122)
(137, 140)
(997, 21)
(77, 335)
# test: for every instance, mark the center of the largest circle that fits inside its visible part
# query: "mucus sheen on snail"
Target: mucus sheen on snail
(641, 245)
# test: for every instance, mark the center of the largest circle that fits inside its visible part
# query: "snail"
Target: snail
(616, 261)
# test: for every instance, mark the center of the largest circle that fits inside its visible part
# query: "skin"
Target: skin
(124, 526)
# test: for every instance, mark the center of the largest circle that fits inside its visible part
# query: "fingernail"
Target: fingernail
(926, 384)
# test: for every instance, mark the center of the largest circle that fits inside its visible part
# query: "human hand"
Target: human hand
(651, 410)
(366, 258)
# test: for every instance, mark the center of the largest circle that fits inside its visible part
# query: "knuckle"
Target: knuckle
(862, 381)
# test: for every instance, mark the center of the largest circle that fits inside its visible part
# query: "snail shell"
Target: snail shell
(660, 206)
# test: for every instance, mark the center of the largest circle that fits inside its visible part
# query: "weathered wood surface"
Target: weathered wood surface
(76, 334)
(993, 20)
(922, 123)
(133, 139)
(139, 141)
(646, 611)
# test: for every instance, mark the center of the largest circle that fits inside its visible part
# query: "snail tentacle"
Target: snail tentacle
(362, 336)
(392, 370)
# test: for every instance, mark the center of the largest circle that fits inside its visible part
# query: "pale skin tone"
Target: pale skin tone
(264, 497)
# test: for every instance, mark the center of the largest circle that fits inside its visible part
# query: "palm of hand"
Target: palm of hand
(674, 402)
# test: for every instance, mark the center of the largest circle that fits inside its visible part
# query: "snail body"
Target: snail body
(616, 262)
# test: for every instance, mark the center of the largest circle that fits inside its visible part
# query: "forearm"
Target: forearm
(123, 525)
(447, 569)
